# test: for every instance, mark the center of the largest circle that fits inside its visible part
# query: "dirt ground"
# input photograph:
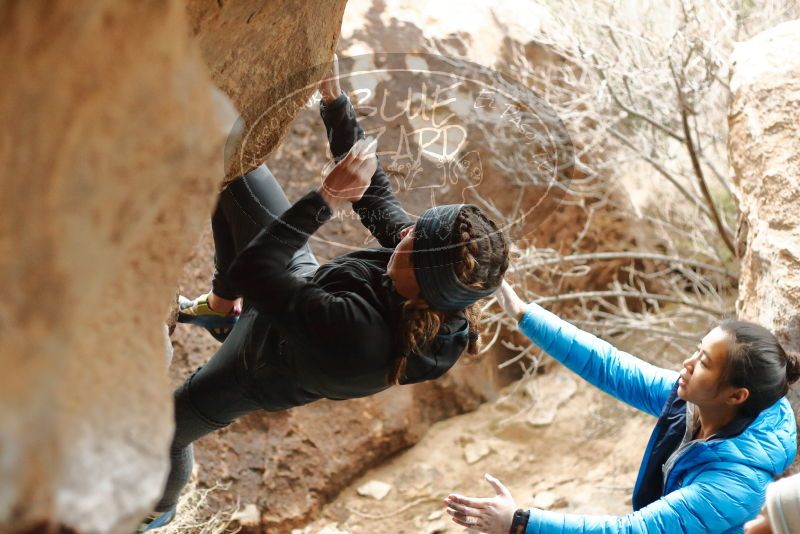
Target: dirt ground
(584, 461)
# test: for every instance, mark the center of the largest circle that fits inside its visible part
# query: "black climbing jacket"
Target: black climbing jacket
(337, 334)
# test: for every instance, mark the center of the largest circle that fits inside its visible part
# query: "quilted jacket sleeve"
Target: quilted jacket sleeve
(629, 379)
(717, 501)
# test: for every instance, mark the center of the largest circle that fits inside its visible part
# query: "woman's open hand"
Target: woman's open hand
(348, 180)
(510, 301)
(492, 515)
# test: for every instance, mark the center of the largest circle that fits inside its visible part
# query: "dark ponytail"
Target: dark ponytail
(758, 362)
(792, 367)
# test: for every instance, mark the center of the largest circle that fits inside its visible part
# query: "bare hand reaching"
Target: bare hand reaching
(510, 301)
(759, 525)
(348, 180)
(492, 515)
(329, 86)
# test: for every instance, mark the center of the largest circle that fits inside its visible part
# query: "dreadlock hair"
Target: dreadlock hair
(483, 260)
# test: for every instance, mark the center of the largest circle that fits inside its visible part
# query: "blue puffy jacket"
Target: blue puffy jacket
(714, 486)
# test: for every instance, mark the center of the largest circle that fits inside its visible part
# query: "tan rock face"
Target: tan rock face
(764, 145)
(109, 157)
(111, 154)
(267, 57)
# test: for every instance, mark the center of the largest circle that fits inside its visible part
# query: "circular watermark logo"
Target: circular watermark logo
(448, 131)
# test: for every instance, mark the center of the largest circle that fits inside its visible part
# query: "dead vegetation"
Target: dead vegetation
(642, 90)
(194, 516)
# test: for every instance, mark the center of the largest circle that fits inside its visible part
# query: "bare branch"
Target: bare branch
(663, 171)
(698, 170)
(629, 110)
(676, 299)
(601, 256)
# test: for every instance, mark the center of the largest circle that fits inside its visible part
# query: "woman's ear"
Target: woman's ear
(405, 231)
(738, 396)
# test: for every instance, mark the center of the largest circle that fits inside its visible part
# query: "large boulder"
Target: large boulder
(111, 150)
(764, 121)
(109, 158)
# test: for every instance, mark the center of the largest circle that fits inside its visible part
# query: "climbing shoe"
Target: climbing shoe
(199, 313)
(156, 520)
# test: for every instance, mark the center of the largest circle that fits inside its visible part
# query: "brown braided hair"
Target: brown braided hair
(484, 260)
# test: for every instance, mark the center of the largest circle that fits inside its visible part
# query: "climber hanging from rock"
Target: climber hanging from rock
(399, 314)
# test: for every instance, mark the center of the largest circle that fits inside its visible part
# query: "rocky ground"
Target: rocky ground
(584, 462)
(573, 449)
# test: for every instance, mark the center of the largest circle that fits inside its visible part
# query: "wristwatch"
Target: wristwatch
(520, 521)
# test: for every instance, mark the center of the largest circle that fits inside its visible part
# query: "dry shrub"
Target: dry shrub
(195, 516)
(642, 89)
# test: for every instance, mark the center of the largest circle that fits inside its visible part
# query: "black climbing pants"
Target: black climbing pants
(245, 207)
(223, 389)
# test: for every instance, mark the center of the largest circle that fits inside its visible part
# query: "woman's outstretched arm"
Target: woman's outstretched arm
(379, 210)
(629, 379)
(716, 501)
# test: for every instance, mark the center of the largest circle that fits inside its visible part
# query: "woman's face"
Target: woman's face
(401, 266)
(702, 379)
